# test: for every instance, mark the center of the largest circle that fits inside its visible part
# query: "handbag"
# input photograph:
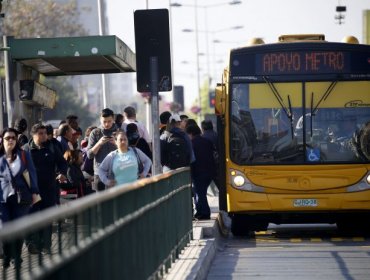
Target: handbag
(26, 177)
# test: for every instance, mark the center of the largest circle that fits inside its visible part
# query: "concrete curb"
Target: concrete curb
(195, 261)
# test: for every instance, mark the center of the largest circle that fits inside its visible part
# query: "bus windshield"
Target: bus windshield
(300, 122)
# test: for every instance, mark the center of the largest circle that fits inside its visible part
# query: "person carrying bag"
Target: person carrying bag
(16, 193)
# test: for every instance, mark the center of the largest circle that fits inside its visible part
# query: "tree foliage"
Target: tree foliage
(41, 18)
(67, 103)
(48, 19)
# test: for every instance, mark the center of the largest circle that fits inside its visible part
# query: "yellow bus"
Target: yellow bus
(293, 119)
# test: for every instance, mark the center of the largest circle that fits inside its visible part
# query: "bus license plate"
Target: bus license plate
(305, 202)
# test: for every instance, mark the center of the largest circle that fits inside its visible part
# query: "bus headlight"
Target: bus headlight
(363, 185)
(240, 182)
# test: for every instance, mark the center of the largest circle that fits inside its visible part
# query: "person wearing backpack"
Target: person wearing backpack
(134, 140)
(176, 148)
(163, 118)
(130, 117)
(124, 165)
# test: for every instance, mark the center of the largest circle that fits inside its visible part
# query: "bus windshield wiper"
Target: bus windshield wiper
(312, 114)
(290, 116)
(278, 97)
(324, 97)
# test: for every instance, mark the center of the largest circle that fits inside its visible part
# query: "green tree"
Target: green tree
(47, 19)
(67, 103)
(41, 18)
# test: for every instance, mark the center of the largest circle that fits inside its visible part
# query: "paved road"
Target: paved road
(294, 252)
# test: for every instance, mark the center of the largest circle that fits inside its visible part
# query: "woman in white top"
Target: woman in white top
(124, 165)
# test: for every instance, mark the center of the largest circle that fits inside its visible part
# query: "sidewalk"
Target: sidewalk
(196, 258)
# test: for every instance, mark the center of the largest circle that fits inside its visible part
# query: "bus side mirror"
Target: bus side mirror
(220, 101)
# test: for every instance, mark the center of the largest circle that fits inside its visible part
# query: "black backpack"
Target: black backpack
(178, 154)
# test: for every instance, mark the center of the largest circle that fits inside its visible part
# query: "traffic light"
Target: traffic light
(212, 99)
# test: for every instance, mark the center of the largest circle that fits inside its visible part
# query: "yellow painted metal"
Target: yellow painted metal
(261, 95)
(283, 184)
(344, 95)
(220, 95)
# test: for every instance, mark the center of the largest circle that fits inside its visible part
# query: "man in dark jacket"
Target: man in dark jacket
(101, 143)
(202, 170)
(209, 133)
(48, 161)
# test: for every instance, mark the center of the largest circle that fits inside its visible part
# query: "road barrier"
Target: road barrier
(134, 231)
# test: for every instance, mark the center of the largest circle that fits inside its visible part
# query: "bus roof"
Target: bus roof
(302, 37)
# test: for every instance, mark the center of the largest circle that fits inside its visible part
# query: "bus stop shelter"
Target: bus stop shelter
(27, 58)
(74, 55)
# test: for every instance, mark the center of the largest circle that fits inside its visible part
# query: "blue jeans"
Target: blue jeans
(200, 187)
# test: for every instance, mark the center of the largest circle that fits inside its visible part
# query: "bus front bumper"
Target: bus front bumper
(241, 201)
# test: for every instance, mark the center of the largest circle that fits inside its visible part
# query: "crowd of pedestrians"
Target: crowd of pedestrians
(34, 172)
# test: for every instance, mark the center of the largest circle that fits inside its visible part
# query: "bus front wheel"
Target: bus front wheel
(244, 225)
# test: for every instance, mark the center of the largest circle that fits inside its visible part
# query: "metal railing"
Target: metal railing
(134, 231)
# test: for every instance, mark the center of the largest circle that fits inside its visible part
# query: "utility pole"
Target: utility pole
(101, 32)
(8, 96)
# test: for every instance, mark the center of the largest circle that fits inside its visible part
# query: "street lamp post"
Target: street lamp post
(212, 32)
(198, 71)
(196, 6)
(101, 32)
